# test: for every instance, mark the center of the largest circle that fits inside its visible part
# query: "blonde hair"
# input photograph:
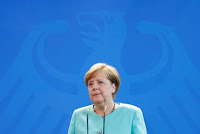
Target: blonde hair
(110, 71)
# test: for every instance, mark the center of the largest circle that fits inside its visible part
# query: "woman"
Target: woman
(105, 116)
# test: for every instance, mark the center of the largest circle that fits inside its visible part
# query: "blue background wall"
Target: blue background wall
(46, 47)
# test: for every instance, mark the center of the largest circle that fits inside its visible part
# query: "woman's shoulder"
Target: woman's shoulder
(129, 107)
(83, 109)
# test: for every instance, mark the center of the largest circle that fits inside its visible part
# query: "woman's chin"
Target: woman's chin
(97, 101)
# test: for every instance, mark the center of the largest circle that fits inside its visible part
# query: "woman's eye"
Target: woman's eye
(100, 82)
(89, 84)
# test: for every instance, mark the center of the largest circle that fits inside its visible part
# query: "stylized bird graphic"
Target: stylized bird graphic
(29, 94)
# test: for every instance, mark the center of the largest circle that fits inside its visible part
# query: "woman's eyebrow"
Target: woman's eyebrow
(90, 81)
(94, 80)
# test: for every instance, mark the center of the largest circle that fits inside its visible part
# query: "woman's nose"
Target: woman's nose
(95, 86)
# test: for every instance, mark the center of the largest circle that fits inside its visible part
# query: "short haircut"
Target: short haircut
(110, 71)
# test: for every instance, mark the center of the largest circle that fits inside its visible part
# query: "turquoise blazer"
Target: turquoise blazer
(126, 119)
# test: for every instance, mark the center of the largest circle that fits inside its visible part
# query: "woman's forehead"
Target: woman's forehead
(99, 75)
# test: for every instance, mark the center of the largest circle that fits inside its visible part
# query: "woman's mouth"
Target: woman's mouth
(96, 94)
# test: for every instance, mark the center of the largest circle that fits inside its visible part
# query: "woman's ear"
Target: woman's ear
(113, 88)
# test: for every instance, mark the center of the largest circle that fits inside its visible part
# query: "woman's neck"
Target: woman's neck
(100, 108)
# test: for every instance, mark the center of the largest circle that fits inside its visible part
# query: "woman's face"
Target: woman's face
(100, 88)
